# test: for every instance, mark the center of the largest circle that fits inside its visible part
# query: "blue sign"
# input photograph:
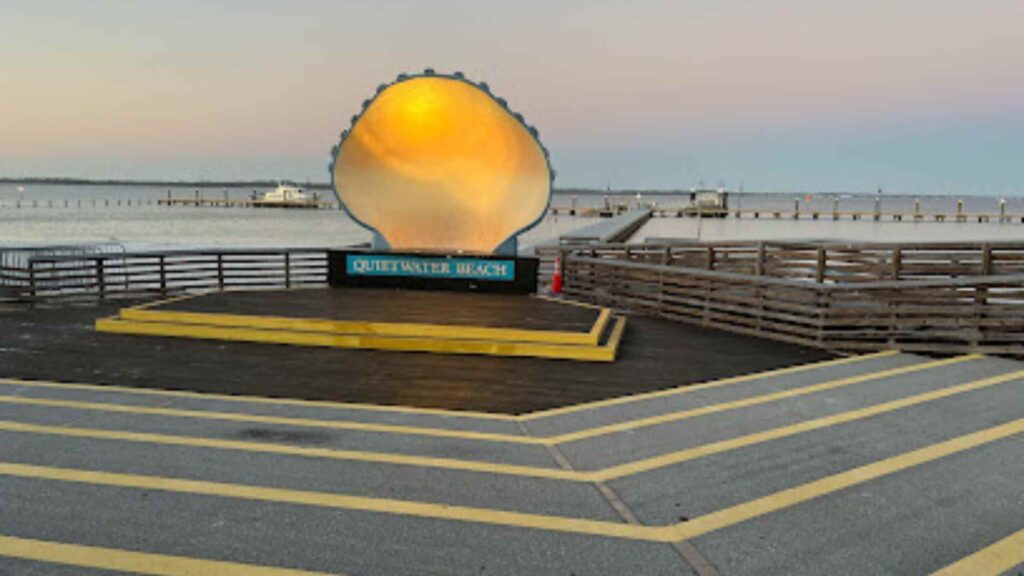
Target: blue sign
(425, 267)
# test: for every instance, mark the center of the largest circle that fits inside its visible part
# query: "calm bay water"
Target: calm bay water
(130, 215)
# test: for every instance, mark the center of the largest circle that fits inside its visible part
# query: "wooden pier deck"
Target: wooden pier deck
(886, 463)
(397, 321)
(61, 344)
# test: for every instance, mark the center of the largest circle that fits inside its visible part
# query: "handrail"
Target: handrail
(97, 276)
(952, 314)
(791, 283)
(697, 272)
(179, 252)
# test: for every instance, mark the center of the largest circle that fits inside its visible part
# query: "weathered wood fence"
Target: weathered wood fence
(937, 297)
(135, 274)
(817, 261)
(843, 297)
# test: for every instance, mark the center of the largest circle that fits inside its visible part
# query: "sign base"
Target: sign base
(427, 271)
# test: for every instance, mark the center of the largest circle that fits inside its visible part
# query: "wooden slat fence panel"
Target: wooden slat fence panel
(976, 313)
(100, 276)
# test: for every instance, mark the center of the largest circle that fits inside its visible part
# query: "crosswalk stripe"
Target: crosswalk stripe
(488, 436)
(601, 475)
(992, 560)
(669, 533)
(453, 414)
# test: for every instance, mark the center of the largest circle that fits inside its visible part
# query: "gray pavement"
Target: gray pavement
(335, 512)
(913, 523)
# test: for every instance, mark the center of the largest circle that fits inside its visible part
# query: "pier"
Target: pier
(615, 229)
(839, 297)
(248, 203)
(802, 214)
(548, 466)
(728, 371)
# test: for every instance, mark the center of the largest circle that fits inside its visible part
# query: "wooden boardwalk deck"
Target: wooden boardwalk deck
(60, 344)
(376, 305)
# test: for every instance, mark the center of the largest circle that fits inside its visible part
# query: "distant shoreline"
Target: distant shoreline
(164, 183)
(568, 190)
(264, 184)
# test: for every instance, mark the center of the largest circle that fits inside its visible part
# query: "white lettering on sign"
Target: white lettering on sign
(431, 267)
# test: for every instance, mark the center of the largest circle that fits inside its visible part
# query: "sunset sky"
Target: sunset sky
(917, 96)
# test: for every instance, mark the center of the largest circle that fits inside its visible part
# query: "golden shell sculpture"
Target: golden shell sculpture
(434, 162)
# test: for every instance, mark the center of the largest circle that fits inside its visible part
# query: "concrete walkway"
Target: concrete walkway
(882, 464)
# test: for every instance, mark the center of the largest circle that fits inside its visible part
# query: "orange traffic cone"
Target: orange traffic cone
(556, 279)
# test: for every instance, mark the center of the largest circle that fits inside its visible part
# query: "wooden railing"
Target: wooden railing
(977, 313)
(825, 262)
(843, 297)
(101, 276)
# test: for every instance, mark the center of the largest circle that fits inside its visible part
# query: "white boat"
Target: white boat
(285, 196)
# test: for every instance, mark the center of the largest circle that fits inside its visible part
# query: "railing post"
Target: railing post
(897, 262)
(287, 269)
(819, 273)
(562, 263)
(824, 301)
(981, 294)
(220, 271)
(163, 276)
(101, 280)
(32, 280)
(759, 268)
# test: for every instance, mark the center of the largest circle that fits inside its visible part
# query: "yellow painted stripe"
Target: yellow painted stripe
(831, 484)
(688, 388)
(994, 560)
(602, 475)
(754, 401)
(180, 298)
(288, 450)
(129, 561)
(264, 419)
(342, 501)
(398, 329)
(467, 414)
(480, 436)
(670, 533)
(435, 411)
(603, 317)
(581, 353)
(568, 301)
(680, 456)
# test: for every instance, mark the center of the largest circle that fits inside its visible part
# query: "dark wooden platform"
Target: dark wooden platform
(381, 305)
(60, 344)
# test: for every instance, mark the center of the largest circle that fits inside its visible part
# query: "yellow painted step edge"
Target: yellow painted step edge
(605, 353)
(398, 329)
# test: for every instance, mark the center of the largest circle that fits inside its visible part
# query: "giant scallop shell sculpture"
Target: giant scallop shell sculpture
(436, 163)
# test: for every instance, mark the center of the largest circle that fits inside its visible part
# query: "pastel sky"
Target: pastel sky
(918, 96)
